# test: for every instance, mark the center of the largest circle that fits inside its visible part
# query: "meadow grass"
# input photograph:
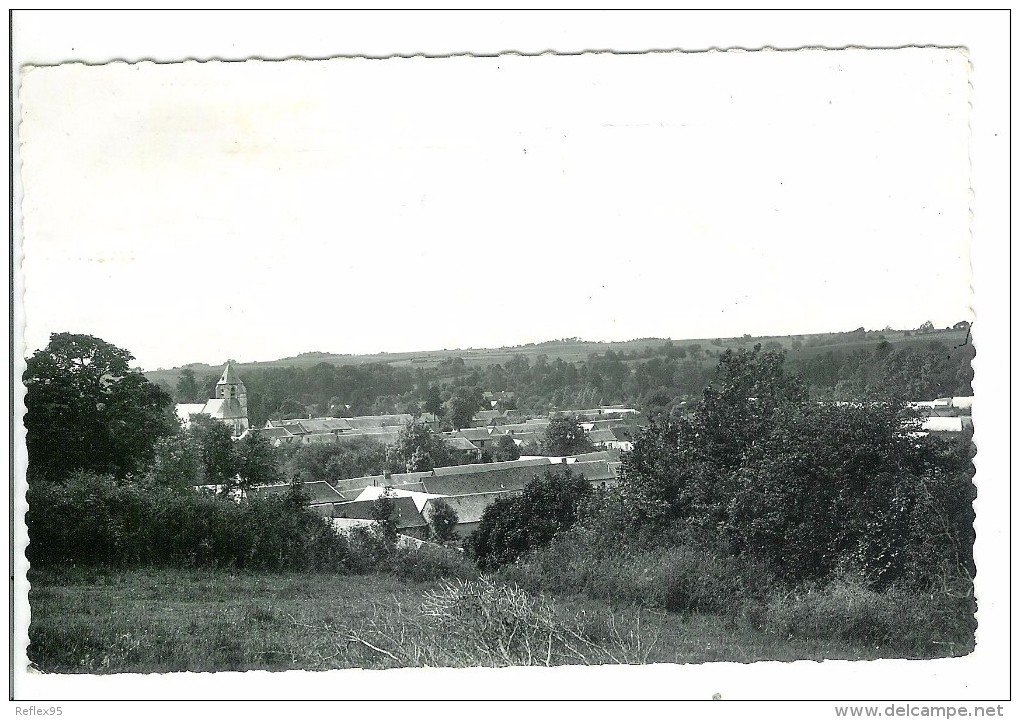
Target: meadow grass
(143, 621)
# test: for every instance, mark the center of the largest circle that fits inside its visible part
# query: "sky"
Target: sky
(194, 212)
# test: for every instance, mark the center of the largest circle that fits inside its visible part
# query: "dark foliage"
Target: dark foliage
(809, 489)
(442, 520)
(565, 436)
(514, 526)
(96, 520)
(88, 410)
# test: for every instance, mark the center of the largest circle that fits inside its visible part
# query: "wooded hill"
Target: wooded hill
(652, 374)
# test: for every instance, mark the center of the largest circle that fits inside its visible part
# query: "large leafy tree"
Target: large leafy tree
(258, 462)
(187, 387)
(418, 449)
(177, 463)
(87, 409)
(463, 406)
(565, 436)
(432, 402)
(442, 520)
(216, 446)
(506, 449)
(750, 391)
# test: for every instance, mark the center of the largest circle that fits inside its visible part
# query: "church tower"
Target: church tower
(233, 408)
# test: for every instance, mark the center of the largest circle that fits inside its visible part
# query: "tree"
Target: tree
(506, 449)
(808, 489)
(257, 462)
(433, 402)
(177, 463)
(463, 405)
(291, 409)
(749, 391)
(829, 487)
(565, 436)
(513, 526)
(88, 410)
(442, 520)
(187, 387)
(418, 449)
(217, 448)
(926, 327)
(384, 512)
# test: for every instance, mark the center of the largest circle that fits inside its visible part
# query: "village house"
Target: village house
(469, 509)
(406, 516)
(487, 418)
(471, 488)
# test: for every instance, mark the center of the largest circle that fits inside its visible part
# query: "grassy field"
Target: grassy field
(86, 621)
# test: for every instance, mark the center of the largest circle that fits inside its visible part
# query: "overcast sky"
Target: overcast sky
(199, 211)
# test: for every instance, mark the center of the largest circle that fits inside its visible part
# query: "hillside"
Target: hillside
(575, 351)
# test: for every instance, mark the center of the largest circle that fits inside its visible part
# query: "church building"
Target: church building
(230, 406)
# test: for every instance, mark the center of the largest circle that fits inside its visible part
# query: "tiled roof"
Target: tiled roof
(524, 428)
(321, 425)
(593, 471)
(273, 432)
(485, 467)
(409, 487)
(469, 508)
(481, 433)
(606, 455)
(318, 490)
(380, 435)
(496, 480)
(404, 478)
(626, 433)
(459, 443)
(360, 482)
(419, 496)
(224, 408)
(375, 421)
(404, 509)
(609, 424)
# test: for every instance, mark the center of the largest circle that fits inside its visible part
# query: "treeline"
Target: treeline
(322, 390)
(654, 380)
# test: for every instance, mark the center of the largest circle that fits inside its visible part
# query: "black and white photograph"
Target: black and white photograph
(598, 373)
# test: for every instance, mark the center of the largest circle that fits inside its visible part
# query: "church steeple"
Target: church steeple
(232, 390)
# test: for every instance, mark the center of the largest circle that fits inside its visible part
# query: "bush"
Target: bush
(513, 526)
(94, 520)
(677, 576)
(442, 520)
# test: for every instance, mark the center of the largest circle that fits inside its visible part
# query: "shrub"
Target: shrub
(95, 520)
(678, 576)
(909, 621)
(513, 526)
(442, 520)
